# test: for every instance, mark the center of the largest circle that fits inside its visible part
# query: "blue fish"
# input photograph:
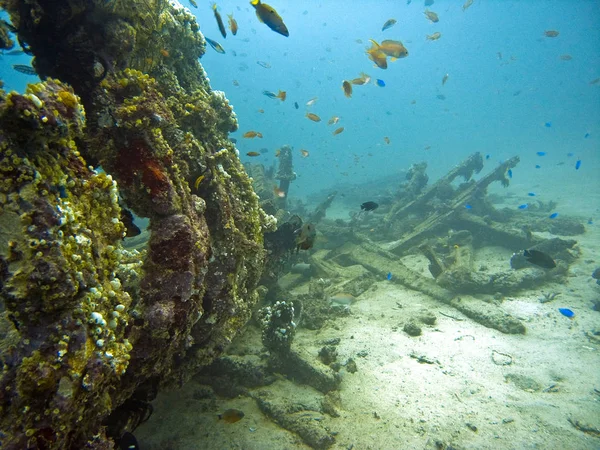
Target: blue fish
(566, 312)
(531, 194)
(553, 216)
(548, 124)
(578, 164)
(523, 206)
(389, 276)
(570, 154)
(380, 83)
(540, 153)
(509, 172)
(586, 135)
(537, 166)
(468, 206)
(590, 222)
(487, 156)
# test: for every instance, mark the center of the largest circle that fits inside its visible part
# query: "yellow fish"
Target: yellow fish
(269, 17)
(231, 416)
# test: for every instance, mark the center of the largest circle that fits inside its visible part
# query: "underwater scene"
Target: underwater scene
(299, 225)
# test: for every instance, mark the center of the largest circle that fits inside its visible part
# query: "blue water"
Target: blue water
(506, 83)
(496, 106)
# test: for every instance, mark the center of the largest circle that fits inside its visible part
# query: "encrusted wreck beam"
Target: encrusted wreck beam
(456, 205)
(381, 262)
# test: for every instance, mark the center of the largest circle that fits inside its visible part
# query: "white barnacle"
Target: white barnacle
(100, 343)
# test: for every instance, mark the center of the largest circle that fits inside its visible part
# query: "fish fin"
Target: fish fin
(392, 59)
(255, 2)
(214, 6)
(374, 42)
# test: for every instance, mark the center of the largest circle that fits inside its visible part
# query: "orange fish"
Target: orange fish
(347, 88)
(304, 153)
(313, 117)
(363, 79)
(333, 120)
(252, 134)
(395, 49)
(233, 26)
(377, 56)
(278, 192)
(281, 95)
(253, 154)
(431, 16)
(231, 416)
(338, 131)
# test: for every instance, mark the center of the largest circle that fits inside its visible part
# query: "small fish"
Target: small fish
(440, 97)
(539, 259)
(198, 181)
(566, 312)
(431, 16)
(537, 166)
(388, 24)
(304, 153)
(313, 117)
(264, 150)
(548, 124)
(551, 33)
(253, 154)
(252, 134)
(233, 26)
(193, 3)
(467, 4)
(363, 79)
(278, 192)
(468, 206)
(566, 57)
(235, 82)
(380, 83)
(595, 81)
(386, 140)
(333, 120)
(215, 45)
(445, 79)
(231, 416)
(531, 194)
(306, 237)
(523, 206)
(488, 156)
(296, 105)
(27, 70)
(269, 17)
(219, 20)
(338, 131)
(281, 95)
(389, 276)
(347, 88)
(553, 215)
(540, 153)
(264, 64)
(578, 164)
(509, 172)
(376, 55)
(570, 154)
(312, 101)
(586, 135)
(342, 299)
(433, 37)
(369, 206)
(394, 49)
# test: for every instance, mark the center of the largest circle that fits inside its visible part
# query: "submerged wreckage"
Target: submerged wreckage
(91, 330)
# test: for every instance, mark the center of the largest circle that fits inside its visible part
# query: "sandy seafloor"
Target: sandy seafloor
(395, 402)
